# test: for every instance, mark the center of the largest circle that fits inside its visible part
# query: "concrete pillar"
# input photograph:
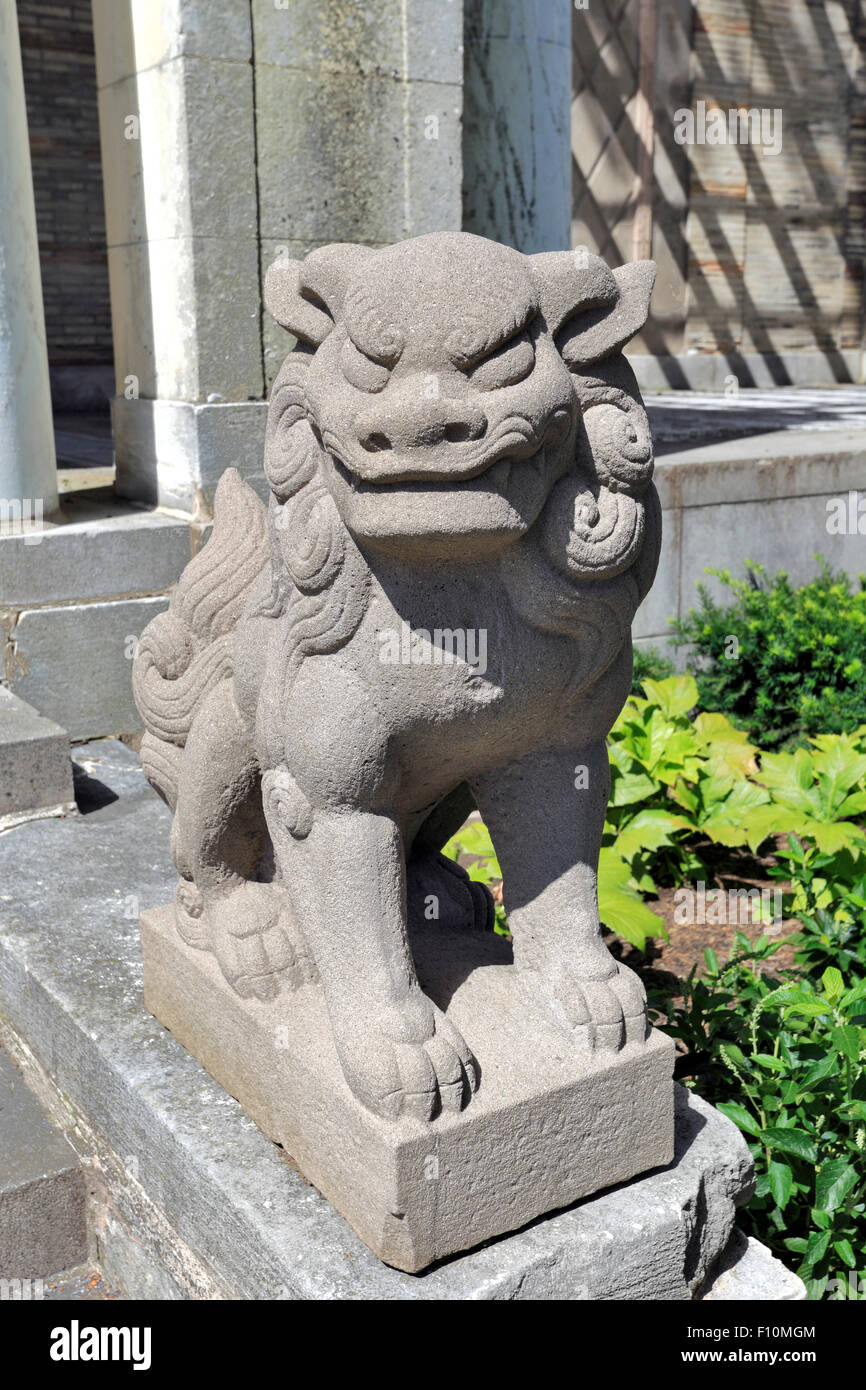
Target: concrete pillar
(28, 471)
(516, 123)
(358, 125)
(233, 134)
(179, 168)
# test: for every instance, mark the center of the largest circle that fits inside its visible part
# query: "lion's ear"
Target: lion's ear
(591, 310)
(303, 315)
(592, 336)
(306, 296)
(571, 282)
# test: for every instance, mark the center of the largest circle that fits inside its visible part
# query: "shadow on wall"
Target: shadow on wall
(758, 221)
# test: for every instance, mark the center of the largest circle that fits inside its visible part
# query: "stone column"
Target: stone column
(233, 134)
(358, 125)
(517, 112)
(179, 166)
(28, 472)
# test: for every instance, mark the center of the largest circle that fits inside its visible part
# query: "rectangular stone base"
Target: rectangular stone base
(545, 1128)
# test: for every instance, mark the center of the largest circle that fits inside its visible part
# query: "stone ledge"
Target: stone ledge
(104, 557)
(787, 463)
(74, 662)
(212, 1208)
(42, 1224)
(749, 1273)
(35, 769)
(712, 371)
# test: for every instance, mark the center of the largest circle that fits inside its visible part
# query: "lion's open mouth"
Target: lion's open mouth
(495, 476)
(443, 467)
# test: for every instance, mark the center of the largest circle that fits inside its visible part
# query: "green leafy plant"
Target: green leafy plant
(825, 941)
(621, 906)
(649, 664)
(680, 783)
(815, 793)
(784, 1059)
(782, 662)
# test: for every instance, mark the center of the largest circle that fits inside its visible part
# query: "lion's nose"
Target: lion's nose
(412, 426)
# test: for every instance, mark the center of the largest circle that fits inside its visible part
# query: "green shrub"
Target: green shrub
(649, 664)
(686, 786)
(784, 1059)
(781, 662)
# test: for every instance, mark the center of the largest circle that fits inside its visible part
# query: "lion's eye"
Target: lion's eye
(506, 366)
(360, 371)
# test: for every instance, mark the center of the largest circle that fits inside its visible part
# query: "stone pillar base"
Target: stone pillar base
(545, 1128)
(173, 453)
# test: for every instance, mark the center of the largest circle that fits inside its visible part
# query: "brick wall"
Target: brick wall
(60, 87)
(759, 253)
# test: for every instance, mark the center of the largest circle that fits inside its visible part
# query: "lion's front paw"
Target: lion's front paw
(406, 1061)
(255, 939)
(603, 1014)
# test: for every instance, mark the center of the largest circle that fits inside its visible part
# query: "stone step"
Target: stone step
(194, 1201)
(42, 1194)
(35, 766)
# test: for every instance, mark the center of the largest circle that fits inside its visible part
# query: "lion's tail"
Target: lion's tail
(186, 651)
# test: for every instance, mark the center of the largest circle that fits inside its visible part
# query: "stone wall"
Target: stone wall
(60, 87)
(760, 254)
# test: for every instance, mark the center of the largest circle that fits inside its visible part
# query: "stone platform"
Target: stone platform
(545, 1128)
(188, 1199)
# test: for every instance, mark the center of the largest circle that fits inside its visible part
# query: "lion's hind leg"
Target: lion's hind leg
(226, 900)
(437, 888)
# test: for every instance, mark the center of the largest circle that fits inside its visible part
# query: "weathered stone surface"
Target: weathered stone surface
(35, 769)
(748, 1273)
(74, 663)
(517, 106)
(108, 557)
(42, 1209)
(181, 218)
(173, 453)
(461, 526)
(211, 282)
(193, 1200)
(126, 43)
(546, 1126)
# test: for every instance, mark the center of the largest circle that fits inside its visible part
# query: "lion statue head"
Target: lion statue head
(447, 396)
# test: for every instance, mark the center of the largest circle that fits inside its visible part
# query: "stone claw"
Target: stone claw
(603, 1015)
(419, 1070)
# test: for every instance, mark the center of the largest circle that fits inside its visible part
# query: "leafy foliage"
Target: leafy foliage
(794, 670)
(678, 783)
(783, 1056)
(649, 664)
(784, 1059)
(684, 784)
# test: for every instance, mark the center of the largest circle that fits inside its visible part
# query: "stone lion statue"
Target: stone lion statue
(431, 615)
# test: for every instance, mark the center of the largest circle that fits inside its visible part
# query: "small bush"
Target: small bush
(649, 664)
(782, 663)
(784, 1059)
